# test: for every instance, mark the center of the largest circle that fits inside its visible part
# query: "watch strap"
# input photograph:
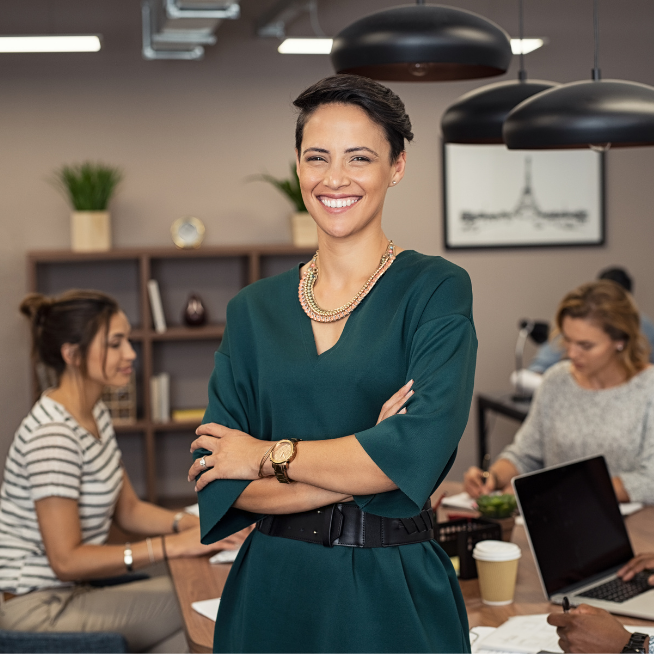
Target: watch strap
(636, 643)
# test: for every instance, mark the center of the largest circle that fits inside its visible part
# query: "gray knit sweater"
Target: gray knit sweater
(568, 422)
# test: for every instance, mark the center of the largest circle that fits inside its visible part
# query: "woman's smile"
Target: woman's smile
(334, 203)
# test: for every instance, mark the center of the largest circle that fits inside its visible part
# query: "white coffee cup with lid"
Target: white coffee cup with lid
(497, 568)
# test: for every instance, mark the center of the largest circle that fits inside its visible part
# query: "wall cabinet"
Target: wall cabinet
(156, 454)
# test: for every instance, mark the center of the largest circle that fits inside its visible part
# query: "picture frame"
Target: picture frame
(494, 197)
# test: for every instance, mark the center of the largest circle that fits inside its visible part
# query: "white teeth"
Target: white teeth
(337, 204)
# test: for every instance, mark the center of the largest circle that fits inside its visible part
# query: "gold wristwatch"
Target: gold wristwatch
(280, 456)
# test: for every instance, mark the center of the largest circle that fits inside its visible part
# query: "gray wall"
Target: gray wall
(188, 134)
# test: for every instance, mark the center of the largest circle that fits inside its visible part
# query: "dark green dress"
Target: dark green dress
(290, 596)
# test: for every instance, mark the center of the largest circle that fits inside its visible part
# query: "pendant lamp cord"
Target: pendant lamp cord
(522, 74)
(596, 71)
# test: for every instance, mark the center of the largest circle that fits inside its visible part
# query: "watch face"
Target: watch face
(282, 452)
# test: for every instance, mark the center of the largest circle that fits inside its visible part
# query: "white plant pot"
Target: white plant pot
(90, 231)
(305, 232)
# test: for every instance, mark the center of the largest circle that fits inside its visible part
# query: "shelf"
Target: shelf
(53, 256)
(205, 332)
(129, 428)
(158, 451)
(185, 425)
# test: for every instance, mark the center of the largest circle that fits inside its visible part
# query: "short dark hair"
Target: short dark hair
(74, 317)
(619, 276)
(380, 103)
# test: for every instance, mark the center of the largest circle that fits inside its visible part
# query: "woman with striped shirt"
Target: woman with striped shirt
(64, 483)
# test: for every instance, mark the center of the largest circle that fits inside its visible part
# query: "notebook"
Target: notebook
(578, 538)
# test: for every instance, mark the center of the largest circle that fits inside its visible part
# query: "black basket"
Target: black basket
(459, 537)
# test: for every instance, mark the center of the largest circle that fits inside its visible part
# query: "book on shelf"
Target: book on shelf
(158, 318)
(160, 397)
(188, 415)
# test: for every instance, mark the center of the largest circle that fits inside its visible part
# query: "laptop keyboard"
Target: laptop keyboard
(619, 591)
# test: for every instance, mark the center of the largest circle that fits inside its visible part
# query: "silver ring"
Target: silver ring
(203, 464)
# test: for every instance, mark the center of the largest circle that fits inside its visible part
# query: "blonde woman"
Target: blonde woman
(598, 401)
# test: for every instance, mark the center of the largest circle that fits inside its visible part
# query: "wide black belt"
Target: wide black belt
(348, 525)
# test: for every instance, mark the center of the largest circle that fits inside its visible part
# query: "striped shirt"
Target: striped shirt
(52, 455)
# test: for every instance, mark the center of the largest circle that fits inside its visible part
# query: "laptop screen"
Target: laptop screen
(574, 522)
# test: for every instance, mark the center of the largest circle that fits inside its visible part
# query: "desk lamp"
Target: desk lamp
(539, 333)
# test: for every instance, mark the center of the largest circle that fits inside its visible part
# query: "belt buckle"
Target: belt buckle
(328, 521)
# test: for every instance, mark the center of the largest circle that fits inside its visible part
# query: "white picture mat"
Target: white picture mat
(490, 180)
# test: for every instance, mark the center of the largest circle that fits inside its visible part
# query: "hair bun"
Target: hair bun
(36, 307)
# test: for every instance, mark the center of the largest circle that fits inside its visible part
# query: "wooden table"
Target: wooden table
(197, 579)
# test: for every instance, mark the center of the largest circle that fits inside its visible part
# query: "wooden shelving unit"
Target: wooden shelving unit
(217, 273)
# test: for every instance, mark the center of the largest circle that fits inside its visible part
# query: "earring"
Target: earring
(394, 182)
(619, 347)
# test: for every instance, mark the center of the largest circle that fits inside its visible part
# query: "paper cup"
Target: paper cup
(497, 568)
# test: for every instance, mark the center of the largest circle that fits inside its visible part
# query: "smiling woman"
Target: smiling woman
(306, 432)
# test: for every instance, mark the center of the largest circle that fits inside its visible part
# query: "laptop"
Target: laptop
(578, 538)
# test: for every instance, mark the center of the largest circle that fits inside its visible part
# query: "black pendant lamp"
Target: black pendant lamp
(478, 116)
(595, 113)
(422, 43)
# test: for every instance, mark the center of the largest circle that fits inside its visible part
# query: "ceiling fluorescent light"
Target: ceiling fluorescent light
(60, 43)
(306, 46)
(528, 45)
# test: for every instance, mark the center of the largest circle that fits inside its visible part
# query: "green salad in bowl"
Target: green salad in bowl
(496, 506)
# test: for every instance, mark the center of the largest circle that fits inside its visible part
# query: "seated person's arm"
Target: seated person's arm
(72, 560)
(589, 629)
(620, 490)
(138, 517)
(500, 475)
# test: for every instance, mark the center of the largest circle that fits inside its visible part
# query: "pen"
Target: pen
(485, 464)
(566, 604)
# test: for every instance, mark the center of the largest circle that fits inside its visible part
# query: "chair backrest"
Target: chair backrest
(59, 642)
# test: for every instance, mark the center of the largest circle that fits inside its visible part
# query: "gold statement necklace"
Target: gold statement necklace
(308, 300)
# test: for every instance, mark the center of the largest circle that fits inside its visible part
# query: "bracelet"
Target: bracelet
(163, 547)
(128, 558)
(176, 520)
(150, 550)
(263, 461)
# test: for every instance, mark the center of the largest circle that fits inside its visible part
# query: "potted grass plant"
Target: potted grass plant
(89, 188)
(303, 227)
(500, 508)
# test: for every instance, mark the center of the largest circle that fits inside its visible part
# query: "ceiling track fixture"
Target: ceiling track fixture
(179, 29)
(478, 116)
(594, 113)
(422, 43)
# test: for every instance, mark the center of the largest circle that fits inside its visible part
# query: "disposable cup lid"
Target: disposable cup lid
(496, 550)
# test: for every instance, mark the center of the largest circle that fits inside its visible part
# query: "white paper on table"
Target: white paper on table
(225, 556)
(527, 634)
(459, 501)
(627, 508)
(207, 608)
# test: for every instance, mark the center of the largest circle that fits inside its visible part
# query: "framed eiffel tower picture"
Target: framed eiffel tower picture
(494, 197)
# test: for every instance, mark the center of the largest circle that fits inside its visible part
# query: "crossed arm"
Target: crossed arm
(325, 471)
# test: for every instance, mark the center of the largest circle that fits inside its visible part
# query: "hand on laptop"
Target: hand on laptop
(638, 564)
(589, 629)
